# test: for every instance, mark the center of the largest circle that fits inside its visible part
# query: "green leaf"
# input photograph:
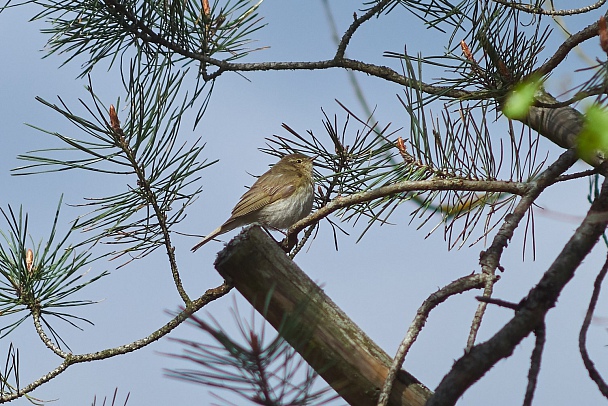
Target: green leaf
(521, 98)
(593, 138)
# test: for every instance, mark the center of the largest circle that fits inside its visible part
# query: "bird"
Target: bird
(278, 199)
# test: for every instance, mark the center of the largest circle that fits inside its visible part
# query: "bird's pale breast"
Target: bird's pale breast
(283, 213)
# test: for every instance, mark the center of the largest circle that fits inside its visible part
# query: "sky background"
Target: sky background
(379, 282)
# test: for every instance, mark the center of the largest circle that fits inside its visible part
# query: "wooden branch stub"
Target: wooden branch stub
(312, 324)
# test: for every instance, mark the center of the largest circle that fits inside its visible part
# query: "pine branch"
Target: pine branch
(474, 364)
(409, 186)
(73, 359)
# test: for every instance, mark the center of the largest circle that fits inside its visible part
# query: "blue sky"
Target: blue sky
(379, 282)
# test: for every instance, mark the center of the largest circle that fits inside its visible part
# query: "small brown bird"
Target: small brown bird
(278, 199)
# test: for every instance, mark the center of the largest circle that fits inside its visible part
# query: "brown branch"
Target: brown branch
(535, 360)
(517, 188)
(477, 362)
(498, 302)
(582, 337)
(150, 197)
(461, 285)
(71, 359)
(480, 311)
(326, 338)
(565, 48)
(490, 258)
(577, 175)
(356, 24)
(539, 10)
(140, 30)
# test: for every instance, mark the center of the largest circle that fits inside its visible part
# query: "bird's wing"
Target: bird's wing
(266, 190)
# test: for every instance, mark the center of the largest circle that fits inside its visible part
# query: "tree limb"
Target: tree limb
(473, 365)
(71, 359)
(517, 188)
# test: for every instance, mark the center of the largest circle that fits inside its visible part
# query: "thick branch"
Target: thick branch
(473, 365)
(516, 188)
(561, 125)
(326, 338)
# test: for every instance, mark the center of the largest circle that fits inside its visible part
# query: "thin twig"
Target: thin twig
(490, 258)
(302, 242)
(582, 338)
(577, 175)
(498, 302)
(458, 286)
(535, 360)
(356, 24)
(150, 197)
(480, 312)
(45, 339)
(71, 359)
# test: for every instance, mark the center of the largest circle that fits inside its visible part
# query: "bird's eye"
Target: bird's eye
(299, 161)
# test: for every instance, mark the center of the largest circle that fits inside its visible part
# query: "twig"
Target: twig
(498, 302)
(458, 286)
(577, 175)
(490, 258)
(517, 188)
(477, 362)
(582, 338)
(356, 24)
(565, 48)
(150, 197)
(45, 339)
(480, 312)
(535, 360)
(71, 359)
(302, 242)
(539, 10)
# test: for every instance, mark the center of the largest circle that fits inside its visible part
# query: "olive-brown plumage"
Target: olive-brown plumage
(278, 199)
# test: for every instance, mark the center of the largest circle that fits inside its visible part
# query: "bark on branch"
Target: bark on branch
(532, 312)
(334, 346)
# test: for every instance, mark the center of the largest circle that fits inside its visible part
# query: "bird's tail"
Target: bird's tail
(208, 238)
